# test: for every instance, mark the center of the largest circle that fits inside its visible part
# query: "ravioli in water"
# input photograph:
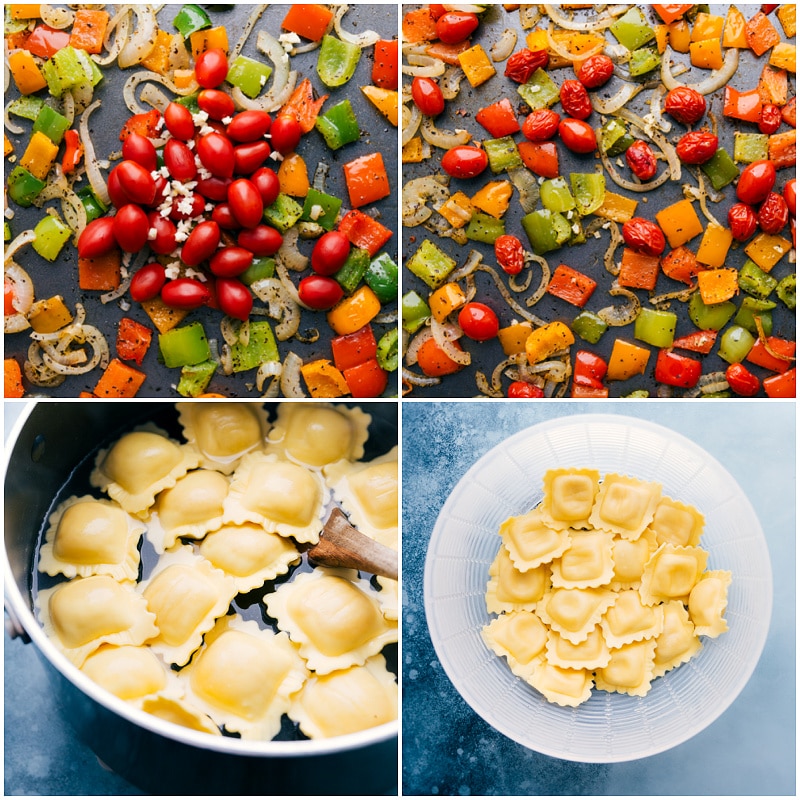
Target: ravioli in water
(602, 586)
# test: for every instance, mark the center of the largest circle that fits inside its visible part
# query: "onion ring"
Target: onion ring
(718, 78)
(141, 44)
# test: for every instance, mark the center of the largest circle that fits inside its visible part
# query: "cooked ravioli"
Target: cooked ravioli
(625, 505)
(678, 641)
(320, 433)
(592, 653)
(248, 554)
(128, 671)
(586, 563)
(671, 573)
(629, 559)
(569, 495)
(243, 677)
(139, 465)
(191, 508)
(630, 669)
(84, 613)
(677, 523)
(179, 712)
(278, 495)
(521, 637)
(562, 685)
(334, 618)
(708, 601)
(87, 536)
(574, 612)
(530, 542)
(512, 590)
(388, 597)
(346, 701)
(630, 620)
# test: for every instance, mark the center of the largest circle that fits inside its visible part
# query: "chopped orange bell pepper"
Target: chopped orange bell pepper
(25, 11)
(355, 311)
(493, 198)
(784, 56)
(512, 338)
(385, 100)
(767, 249)
(718, 285)
(671, 12)
(782, 149)
(363, 231)
(419, 26)
(761, 33)
(119, 380)
(626, 360)
(157, 59)
(549, 339)
(89, 30)
(164, 317)
(787, 15)
(714, 246)
(293, 176)
(572, 286)
(208, 39)
(707, 26)
(26, 72)
(617, 207)
(309, 20)
(302, 105)
(638, 270)
(680, 264)
(773, 86)
(366, 179)
(49, 315)
(680, 36)
(12, 378)
(100, 274)
(679, 222)
(446, 299)
(783, 384)
(706, 54)
(457, 210)
(412, 151)
(323, 379)
(733, 34)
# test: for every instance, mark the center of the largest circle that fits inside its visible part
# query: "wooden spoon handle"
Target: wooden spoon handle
(341, 545)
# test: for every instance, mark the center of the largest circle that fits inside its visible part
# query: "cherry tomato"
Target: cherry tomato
(140, 149)
(540, 125)
(201, 243)
(577, 135)
(148, 282)
(178, 121)
(773, 214)
(330, 252)
(214, 188)
(119, 197)
(216, 103)
(267, 183)
(215, 152)
(246, 203)
(696, 147)
(249, 126)
(248, 157)
(575, 100)
(509, 253)
(234, 298)
(523, 64)
(742, 221)
(131, 228)
(164, 241)
(434, 362)
(260, 241)
(179, 160)
(97, 238)
(319, 292)
(464, 161)
(790, 196)
(228, 262)
(642, 160)
(478, 321)
(742, 381)
(595, 71)
(756, 182)
(456, 26)
(186, 293)
(197, 207)
(685, 105)
(223, 216)
(770, 119)
(285, 133)
(211, 68)
(136, 182)
(644, 236)
(427, 96)
(524, 389)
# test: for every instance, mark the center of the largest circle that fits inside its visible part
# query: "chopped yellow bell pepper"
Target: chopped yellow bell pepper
(718, 285)
(25, 11)
(784, 56)
(547, 340)
(617, 207)
(385, 100)
(39, 155)
(47, 316)
(787, 14)
(662, 37)
(767, 249)
(157, 59)
(208, 39)
(445, 300)
(293, 176)
(8, 147)
(707, 26)
(680, 36)
(184, 79)
(734, 33)
(714, 246)
(512, 338)
(164, 317)
(476, 65)
(679, 222)
(537, 40)
(626, 360)
(323, 379)
(412, 151)
(706, 54)
(26, 72)
(457, 210)
(355, 311)
(493, 198)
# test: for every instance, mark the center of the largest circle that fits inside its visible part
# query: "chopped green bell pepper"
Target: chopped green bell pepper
(749, 147)
(655, 327)
(321, 208)
(27, 106)
(338, 125)
(484, 228)
(614, 138)
(23, 188)
(248, 75)
(631, 30)
(414, 311)
(52, 234)
(787, 290)
(190, 19)
(540, 91)
(751, 308)
(720, 169)
(431, 264)
(547, 230)
(337, 61)
(195, 378)
(556, 196)
(712, 317)
(589, 191)
(754, 281)
(94, 208)
(589, 326)
(283, 213)
(503, 154)
(735, 343)
(644, 60)
(353, 269)
(70, 68)
(184, 345)
(387, 354)
(261, 347)
(190, 101)
(261, 267)
(382, 278)
(52, 124)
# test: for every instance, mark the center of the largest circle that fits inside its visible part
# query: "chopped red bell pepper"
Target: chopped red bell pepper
(45, 41)
(588, 391)
(73, 152)
(145, 124)
(367, 379)
(789, 113)
(540, 157)
(697, 342)
(499, 118)
(133, 340)
(384, 67)
(676, 370)
(671, 12)
(303, 106)
(352, 349)
(448, 53)
(760, 356)
(363, 231)
(782, 385)
(571, 285)
(589, 370)
(742, 381)
(742, 105)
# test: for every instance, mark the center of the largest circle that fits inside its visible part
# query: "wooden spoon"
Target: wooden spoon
(341, 545)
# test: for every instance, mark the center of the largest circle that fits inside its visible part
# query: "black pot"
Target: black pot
(50, 441)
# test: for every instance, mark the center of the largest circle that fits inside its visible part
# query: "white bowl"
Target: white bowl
(607, 727)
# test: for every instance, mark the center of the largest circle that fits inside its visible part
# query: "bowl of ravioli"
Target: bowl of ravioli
(530, 670)
(155, 556)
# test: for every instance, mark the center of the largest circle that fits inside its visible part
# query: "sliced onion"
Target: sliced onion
(22, 300)
(411, 379)
(255, 16)
(598, 23)
(419, 339)
(450, 83)
(567, 55)
(664, 300)
(56, 16)
(365, 39)
(617, 316)
(141, 44)
(609, 261)
(288, 252)
(269, 369)
(116, 35)
(658, 140)
(321, 176)
(474, 259)
(718, 78)
(691, 193)
(37, 372)
(510, 301)
(441, 138)
(290, 376)
(504, 46)
(16, 244)
(538, 294)
(421, 65)
(412, 117)
(416, 194)
(614, 103)
(655, 110)
(283, 276)
(280, 306)
(445, 335)
(96, 179)
(12, 126)
(528, 187)
(710, 383)
(529, 15)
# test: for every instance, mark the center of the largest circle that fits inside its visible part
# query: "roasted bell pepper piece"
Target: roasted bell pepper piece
(616, 207)
(671, 13)
(679, 222)
(47, 316)
(626, 360)
(718, 285)
(547, 230)
(366, 179)
(706, 54)
(364, 231)
(754, 313)
(483, 228)
(23, 187)
(45, 41)
(302, 105)
(761, 34)
(52, 124)
(493, 198)
(589, 369)
(512, 338)
(787, 15)
(431, 264)
(385, 100)
(673, 369)
(89, 30)
(589, 191)
(782, 149)
(781, 357)
(354, 348)
(545, 341)
(697, 342)
(293, 176)
(184, 345)
(283, 213)
(476, 65)
(638, 270)
(446, 299)
(338, 125)
(781, 385)
(119, 380)
(51, 235)
(749, 147)
(260, 348)
(353, 269)
(742, 105)
(248, 75)
(195, 378)
(309, 20)
(215, 38)
(39, 156)
(367, 379)
(12, 378)
(25, 71)
(382, 277)
(539, 91)
(655, 327)
(735, 343)
(434, 362)
(556, 196)
(714, 246)
(387, 353)
(157, 60)
(720, 169)
(680, 264)
(73, 152)
(321, 208)
(632, 31)
(499, 118)
(133, 340)
(589, 326)
(571, 285)
(767, 249)
(733, 34)
(713, 317)
(414, 312)
(540, 158)
(145, 124)
(355, 311)
(337, 61)
(324, 380)
(191, 18)
(384, 64)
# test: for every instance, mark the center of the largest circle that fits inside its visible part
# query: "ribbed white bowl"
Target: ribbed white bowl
(608, 727)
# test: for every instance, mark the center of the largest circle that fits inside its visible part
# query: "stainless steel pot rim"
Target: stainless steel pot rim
(20, 612)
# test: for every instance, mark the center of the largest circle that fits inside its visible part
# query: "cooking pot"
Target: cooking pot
(49, 445)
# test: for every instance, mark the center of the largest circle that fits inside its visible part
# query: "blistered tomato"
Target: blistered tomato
(790, 196)
(575, 100)
(510, 254)
(540, 125)
(464, 161)
(478, 321)
(685, 104)
(642, 160)
(644, 236)
(696, 147)
(595, 71)
(773, 214)
(742, 221)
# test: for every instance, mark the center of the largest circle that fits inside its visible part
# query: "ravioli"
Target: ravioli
(530, 542)
(512, 590)
(671, 573)
(562, 685)
(139, 465)
(575, 612)
(586, 563)
(334, 618)
(179, 712)
(346, 701)
(223, 432)
(630, 669)
(130, 672)
(592, 653)
(318, 434)
(708, 601)
(677, 523)
(569, 496)
(521, 637)
(678, 642)
(630, 620)
(625, 505)
(87, 536)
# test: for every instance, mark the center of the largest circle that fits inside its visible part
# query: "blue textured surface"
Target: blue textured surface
(749, 750)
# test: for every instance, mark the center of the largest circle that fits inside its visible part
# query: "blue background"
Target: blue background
(748, 750)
